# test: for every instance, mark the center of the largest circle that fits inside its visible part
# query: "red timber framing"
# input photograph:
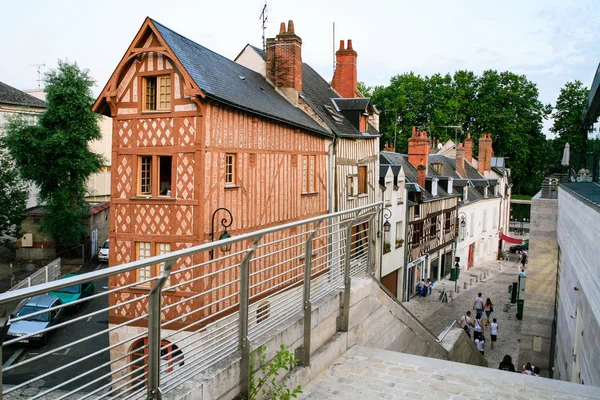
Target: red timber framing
(171, 167)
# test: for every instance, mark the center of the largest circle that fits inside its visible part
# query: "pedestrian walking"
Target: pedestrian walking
(466, 323)
(478, 331)
(489, 309)
(480, 343)
(478, 305)
(494, 335)
(506, 364)
(523, 258)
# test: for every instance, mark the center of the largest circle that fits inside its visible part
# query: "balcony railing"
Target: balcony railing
(153, 324)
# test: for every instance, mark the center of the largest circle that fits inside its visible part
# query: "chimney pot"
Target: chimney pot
(282, 28)
(284, 61)
(345, 78)
(290, 26)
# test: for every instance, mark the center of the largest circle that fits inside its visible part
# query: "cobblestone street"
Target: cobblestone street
(438, 316)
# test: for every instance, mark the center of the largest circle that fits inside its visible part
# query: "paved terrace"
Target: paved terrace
(367, 373)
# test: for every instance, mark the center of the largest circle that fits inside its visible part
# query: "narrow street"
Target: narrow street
(439, 316)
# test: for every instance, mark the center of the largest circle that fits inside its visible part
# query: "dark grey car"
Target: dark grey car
(37, 323)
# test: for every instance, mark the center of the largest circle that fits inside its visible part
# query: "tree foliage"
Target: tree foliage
(504, 104)
(54, 154)
(13, 197)
(568, 119)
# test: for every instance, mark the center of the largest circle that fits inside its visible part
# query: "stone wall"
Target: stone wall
(540, 288)
(577, 341)
(376, 320)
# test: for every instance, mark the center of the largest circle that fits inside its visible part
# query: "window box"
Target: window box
(399, 243)
(387, 247)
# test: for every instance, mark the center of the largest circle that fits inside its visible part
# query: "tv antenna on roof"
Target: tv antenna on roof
(39, 72)
(456, 129)
(264, 18)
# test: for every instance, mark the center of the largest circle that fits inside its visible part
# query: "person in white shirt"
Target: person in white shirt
(480, 343)
(494, 332)
(466, 323)
(478, 327)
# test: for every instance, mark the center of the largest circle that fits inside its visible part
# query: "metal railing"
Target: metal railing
(48, 273)
(158, 322)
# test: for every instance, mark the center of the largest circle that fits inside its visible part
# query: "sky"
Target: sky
(550, 41)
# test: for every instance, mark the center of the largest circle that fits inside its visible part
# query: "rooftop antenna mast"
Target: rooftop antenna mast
(264, 18)
(39, 72)
(333, 48)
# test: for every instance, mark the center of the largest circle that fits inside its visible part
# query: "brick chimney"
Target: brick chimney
(469, 148)
(389, 148)
(418, 148)
(284, 61)
(345, 76)
(460, 161)
(421, 173)
(484, 161)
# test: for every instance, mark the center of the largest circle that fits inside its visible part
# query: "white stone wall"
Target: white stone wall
(396, 203)
(484, 234)
(578, 232)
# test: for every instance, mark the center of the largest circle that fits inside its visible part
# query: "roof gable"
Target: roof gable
(208, 74)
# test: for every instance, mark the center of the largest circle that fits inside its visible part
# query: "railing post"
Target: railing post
(154, 333)
(372, 262)
(244, 312)
(5, 311)
(304, 350)
(46, 269)
(343, 319)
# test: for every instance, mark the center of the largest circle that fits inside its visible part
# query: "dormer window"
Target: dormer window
(157, 93)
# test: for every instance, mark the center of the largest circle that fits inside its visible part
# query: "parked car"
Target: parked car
(103, 253)
(519, 247)
(36, 323)
(72, 293)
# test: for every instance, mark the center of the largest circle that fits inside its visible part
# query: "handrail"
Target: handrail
(447, 330)
(173, 256)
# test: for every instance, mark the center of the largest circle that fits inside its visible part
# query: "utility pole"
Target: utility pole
(264, 18)
(456, 129)
(39, 73)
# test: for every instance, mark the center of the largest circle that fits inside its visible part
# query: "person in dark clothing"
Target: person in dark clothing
(506, 364)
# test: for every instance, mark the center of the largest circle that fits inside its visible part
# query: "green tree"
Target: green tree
(13, 197)
(504, 104)
(568, 120)
(54, 154)
(366, 91)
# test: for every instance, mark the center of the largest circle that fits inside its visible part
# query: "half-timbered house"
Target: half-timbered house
(431, 215)
(353, 120)
(194, 132)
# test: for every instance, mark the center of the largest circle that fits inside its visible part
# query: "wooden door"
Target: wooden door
(471, 252)
(390, 281)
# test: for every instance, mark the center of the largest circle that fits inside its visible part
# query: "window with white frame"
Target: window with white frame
(308, 174)
(484, 221)
(230, 169)
(472, 225)
(352, 185)
(399, 234)
(388, 193)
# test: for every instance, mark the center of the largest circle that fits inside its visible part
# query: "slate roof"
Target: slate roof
(11, 95)
(228, 82)
(352, 104)
(474, 181)
(588, 192)
(317, 93)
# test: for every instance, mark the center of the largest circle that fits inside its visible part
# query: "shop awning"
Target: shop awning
(511, 239)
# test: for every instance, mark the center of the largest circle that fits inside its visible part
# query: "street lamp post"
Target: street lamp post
(225, 223)
(385, 227)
